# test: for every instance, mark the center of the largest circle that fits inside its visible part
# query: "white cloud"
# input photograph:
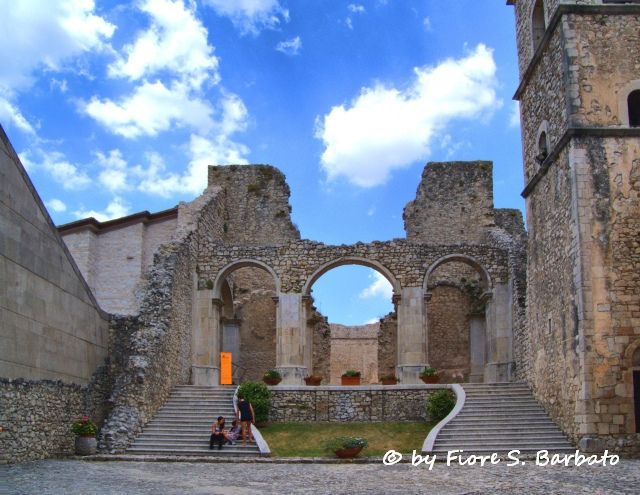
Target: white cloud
(42, 33)
(290, 47)
(114, 173)
(514, 117)
(371, 321)
(56, 164)
(175, 41)
(349, 23)
(56, 205)
(380, 287)
(251, 16)
(115, 209)
(356, 8)
(60, 85)
(11, 114)
(152, 108)
(426, 22)
(385, 128)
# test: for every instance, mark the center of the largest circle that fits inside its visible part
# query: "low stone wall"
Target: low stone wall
(36, 417)
(363, 403)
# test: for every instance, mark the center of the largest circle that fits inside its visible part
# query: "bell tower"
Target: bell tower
(579, 94)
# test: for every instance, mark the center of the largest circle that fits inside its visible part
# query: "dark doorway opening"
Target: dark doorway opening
(636, 397)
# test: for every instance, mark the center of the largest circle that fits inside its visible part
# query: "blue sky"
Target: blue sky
(116, 108)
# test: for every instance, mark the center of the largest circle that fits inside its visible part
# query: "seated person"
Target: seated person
(233, 433)
(218, 434)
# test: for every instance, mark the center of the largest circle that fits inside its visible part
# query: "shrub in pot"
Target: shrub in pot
(429, 375)
(350, 377)
(85, 431)
(272, 377)
(345, 447)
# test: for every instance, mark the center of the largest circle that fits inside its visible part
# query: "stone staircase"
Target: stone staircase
(500, 417)
(183, 425)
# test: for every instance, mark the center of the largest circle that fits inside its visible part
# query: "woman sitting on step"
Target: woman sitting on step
(217, 433)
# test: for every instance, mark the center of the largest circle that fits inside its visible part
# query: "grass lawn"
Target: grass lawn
(307, 439)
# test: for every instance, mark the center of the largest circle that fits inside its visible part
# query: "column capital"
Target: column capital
(275, 299)
(217, 302)
(396, 298)
(427, 296)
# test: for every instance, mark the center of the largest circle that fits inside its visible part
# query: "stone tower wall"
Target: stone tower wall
(453, 204)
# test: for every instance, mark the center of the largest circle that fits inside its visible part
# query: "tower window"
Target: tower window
(633, 103)
(543, 147)
(538, 25)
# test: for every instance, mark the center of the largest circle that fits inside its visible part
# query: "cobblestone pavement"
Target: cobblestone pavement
(70, 477)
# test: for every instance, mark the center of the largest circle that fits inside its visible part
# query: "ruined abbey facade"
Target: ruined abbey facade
(122, 311)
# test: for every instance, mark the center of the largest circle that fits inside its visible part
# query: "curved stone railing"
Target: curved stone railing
(262, 444)
(461, 396)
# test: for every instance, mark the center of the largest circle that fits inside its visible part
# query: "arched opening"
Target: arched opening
(248, 318)
(456, 289)
(633, 105)
(538, 26)
(351, 320)
(543, 148)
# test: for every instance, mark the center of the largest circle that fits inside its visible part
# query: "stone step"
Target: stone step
(179, 442)
(501, 445)
(541, 428)
(524, 452)
(193, 452)
(464, 437)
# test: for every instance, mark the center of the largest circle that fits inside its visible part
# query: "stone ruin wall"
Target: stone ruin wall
(151, 352)
(354, 347)
(453, 204)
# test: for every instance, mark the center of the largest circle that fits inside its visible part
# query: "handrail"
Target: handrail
(262, 444)
(461, 397)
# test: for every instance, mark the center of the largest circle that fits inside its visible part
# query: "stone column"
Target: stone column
(291, 338)
(412, 335)
(205, 369)
(477, 347)
(499, 331)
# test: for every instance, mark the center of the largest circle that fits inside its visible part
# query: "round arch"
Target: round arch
(631, 354)
(463, 258)
(242, 263)
(351, 260)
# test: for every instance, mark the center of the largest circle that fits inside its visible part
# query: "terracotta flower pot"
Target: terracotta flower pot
(348, 453)
(389, 381)
(350, 380)
(430, 379)
(313, 380)
(271, 381)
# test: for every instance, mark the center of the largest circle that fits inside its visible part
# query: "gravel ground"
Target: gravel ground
(70, 477)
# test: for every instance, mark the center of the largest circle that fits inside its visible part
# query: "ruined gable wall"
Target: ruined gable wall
(354, 347)
(453, 204)
(256, 207)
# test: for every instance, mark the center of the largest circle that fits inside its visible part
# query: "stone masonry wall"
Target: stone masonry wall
(354, 348)
(366, 403)
(388, 345)
(152, 351)
(256, 205)
(454, 204)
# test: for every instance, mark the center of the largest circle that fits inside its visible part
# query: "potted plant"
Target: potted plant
(388, 379)
(272, 377)
(345, 447)
(429, 375)
(351, 377)
(85, 430)
(313, 379)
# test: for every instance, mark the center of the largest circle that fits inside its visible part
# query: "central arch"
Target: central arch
(352, 260)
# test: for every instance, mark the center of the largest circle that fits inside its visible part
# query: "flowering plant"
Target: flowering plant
(84, 427)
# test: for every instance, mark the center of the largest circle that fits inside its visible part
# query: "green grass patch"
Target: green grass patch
(307, 439)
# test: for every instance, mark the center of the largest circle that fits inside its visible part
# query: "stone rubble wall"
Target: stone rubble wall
(388, 345)
(354, 348)
(152, 350)
(340, 404)
(453, 204)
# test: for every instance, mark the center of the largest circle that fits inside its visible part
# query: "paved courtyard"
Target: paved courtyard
(70, 477)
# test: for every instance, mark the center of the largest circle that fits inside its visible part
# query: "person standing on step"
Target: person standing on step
(246, 417)
(217, 433)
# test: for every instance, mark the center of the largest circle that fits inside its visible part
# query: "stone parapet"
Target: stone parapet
(343, 404)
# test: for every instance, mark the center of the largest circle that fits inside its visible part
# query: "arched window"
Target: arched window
(543, 148)
(635, 361)
(633, 104)
(537, 24)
